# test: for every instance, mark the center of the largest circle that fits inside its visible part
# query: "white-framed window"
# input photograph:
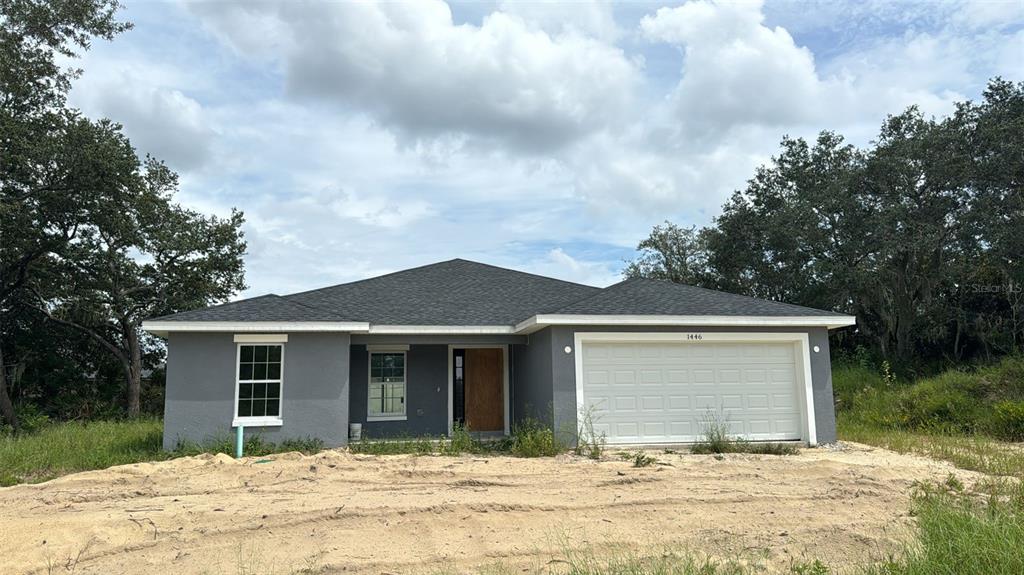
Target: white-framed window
(260, 376)
(386, 392)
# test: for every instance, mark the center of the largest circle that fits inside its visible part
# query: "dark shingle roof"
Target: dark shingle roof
(662, 297)
(455, 292)
(460, 292)
(268, 307)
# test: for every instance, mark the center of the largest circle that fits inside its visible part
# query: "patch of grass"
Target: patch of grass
(254, 446)
(983, 400)
(641, 459)
(973, 452)
(716, 440)
(62, 448)
(395, 446)
(962, 531)
(529, 438)
(620, 560)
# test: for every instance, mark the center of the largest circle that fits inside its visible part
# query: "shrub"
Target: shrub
(941, 404)
(1007, 421)
(531, 438)
(957, 401)
(461, 441)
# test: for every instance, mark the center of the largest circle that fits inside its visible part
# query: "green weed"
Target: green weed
(716, 440)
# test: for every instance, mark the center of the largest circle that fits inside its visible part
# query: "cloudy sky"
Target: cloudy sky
(364, 138)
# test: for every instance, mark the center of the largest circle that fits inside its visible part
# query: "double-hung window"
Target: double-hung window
(387, 386)
(259, 384)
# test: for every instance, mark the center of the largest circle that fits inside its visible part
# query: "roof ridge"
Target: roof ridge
(599, 292)
(786, 303)
(716, 292)
(522, 272)
(354, 282)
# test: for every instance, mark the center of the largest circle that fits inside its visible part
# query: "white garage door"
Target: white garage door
(662, 392)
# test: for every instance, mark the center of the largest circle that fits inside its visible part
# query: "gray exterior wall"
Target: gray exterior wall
(426, 392)
(326, 378)
(563, 369)
(531, 382)
(201, 373)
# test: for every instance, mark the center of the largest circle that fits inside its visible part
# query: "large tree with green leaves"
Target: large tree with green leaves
(919, 235)
(37, 212)
(136, 255)
(91, 237)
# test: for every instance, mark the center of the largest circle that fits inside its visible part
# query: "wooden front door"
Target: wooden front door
(485, 398)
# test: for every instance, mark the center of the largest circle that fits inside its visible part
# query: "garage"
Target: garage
(663, 387)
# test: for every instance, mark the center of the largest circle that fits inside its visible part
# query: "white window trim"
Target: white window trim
(261, 338)
(405, 381)
(261, 421)
(799, 339)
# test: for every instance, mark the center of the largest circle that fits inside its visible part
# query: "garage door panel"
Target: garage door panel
(702, 376)
(655, 403)
(677, 402)
(654, 429)
(681, 429)
(651, 392)
(625, 403)
(624, 377)
(652, 376)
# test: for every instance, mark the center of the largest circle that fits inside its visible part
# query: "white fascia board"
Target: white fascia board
(442, 329)
(162, 328)
(539, 322)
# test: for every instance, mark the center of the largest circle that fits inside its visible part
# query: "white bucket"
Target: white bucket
(355, 431)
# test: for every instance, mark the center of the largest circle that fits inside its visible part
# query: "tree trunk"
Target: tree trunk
(6, 407)
(133, 369)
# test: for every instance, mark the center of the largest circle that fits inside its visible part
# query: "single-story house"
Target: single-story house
(416, 351)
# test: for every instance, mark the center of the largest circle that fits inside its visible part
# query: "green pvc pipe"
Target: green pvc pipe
(239, 434)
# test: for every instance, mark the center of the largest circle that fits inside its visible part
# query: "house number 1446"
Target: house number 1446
(696, 336)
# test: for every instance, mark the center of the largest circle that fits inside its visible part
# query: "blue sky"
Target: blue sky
(363, 138)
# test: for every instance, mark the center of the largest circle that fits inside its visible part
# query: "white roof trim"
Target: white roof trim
(538, 322)
(441, 329)
(162, 328)
(535, 323)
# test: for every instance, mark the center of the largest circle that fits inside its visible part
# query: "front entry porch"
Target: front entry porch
(414, 389)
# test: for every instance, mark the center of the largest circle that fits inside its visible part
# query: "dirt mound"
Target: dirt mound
(364, 514)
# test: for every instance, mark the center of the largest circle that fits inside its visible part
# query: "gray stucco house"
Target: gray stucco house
(411, 352)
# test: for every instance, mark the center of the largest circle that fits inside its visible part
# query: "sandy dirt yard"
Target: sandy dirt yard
(339, 512)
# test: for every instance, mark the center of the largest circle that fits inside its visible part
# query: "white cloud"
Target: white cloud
(596, 273)
(157, 116)
(365, 138)
(504, 83)
(593, 18)
(736, 71)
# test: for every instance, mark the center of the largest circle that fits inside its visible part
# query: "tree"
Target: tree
(136, 255)
(36, 215)
(671, 253)
(919, 235)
